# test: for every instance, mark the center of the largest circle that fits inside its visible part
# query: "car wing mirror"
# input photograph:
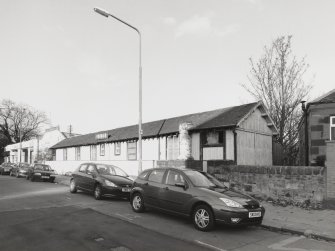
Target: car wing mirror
(180, 184)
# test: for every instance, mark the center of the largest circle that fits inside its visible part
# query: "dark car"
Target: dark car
(19, 170)
(193, 193)
(5, 168)
(102, 180)
(41, 172)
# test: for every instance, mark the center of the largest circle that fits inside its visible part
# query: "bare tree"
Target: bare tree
(276, 78)
(19, 122)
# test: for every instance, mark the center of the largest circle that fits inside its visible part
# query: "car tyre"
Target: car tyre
(98, 192)
(137, 203)
(73, 186)
(203, 218)
(32, 179)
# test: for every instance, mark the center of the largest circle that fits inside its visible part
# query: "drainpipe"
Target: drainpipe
(304, 109)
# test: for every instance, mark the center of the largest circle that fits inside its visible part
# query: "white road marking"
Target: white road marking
(209, 245)
(123, 216)
(35, 193)
(281, 245)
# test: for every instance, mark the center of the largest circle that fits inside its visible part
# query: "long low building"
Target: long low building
(243, 134)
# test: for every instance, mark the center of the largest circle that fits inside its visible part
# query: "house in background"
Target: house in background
(36, 148)
(242, 134)
(317, 126)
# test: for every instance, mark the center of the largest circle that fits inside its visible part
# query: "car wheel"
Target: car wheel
(137, 203)
(52, 180)
(203, 218)
(27, 177)
(32, 179)
(73, 186)
(98, 192)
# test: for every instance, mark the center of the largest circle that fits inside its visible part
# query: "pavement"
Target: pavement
(316, 224)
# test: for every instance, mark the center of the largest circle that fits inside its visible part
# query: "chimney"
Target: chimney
(303, 106)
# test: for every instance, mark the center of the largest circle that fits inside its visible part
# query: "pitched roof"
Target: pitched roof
(220, 118)
(329, 97)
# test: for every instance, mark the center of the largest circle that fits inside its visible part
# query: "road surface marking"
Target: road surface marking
(281, 245)
(123, 216)
(209, 245)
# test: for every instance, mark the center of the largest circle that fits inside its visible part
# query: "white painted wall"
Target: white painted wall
(195, 144)
(230, 145)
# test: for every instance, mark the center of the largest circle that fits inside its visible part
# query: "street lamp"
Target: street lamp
(106, 14)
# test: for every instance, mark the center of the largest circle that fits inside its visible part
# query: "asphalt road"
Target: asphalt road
(45, 216)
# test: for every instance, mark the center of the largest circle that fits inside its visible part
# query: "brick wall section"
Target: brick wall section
(330, 170)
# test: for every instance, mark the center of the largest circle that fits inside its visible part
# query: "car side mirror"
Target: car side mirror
(180, 184)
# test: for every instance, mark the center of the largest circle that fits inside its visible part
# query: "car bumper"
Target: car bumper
(44, 177)
(238, 216)
(115, 192)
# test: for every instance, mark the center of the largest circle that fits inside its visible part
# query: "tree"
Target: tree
(19, 123)
(276, 78)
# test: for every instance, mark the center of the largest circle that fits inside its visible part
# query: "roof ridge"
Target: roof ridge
(322, 96)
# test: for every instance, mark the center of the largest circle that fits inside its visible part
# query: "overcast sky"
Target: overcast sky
(82, 69)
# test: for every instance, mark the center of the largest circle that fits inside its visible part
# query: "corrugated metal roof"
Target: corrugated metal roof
(226, 117)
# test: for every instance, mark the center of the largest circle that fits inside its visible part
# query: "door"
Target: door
(174, 197)
(78, 176)
(152, 188)
(89, 177)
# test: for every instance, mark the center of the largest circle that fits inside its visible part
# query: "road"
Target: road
(45, 216)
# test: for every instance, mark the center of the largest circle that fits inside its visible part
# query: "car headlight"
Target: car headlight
(231, 203)
(110, 184)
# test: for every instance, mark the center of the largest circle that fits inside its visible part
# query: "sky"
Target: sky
(81, 68)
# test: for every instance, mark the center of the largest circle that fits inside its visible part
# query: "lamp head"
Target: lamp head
(101, 12)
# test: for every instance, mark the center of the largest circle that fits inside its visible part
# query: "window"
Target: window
(91, 169)
(65, 154)
(77, 153)
(143, 175)
(212, 138)
(82, 168)
(174, 177)
(93, 153)
(132, 150)
(156, 176)
(117, 148)
(172, 147)
(102, 150)
(332, 128)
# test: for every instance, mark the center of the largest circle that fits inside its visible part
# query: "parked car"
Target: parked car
(102, 180)
(19, 170)
(5, 168)
(194, 194)
(41, 172)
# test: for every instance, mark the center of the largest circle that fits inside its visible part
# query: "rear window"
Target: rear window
(43, 167)
(143, 175)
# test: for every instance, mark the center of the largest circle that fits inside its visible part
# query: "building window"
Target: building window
(172, 147)
(132, 150)
(213, 145)
(117, 148)
(332, 128)
(65, 154)
(102, 150)
(93, 152)
(77, 153)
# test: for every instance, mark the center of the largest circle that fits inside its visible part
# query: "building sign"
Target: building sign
(101, 136)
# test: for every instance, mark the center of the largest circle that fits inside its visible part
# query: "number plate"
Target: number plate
(255, 214)
(126, 190)
(45, 177)
(6, 170)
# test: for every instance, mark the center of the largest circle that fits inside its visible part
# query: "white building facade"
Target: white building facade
(241, 134)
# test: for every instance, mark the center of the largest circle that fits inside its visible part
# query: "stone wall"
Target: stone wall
(300, 186)
(285, 185)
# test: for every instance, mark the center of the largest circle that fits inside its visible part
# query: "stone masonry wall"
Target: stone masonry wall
(299, 186)
(286, 185)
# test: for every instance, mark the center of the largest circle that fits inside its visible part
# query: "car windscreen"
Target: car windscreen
(214, 180)
(42, 167)
(198, 179)
(111, 170)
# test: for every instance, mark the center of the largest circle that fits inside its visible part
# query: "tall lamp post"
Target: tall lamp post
(106, 14)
